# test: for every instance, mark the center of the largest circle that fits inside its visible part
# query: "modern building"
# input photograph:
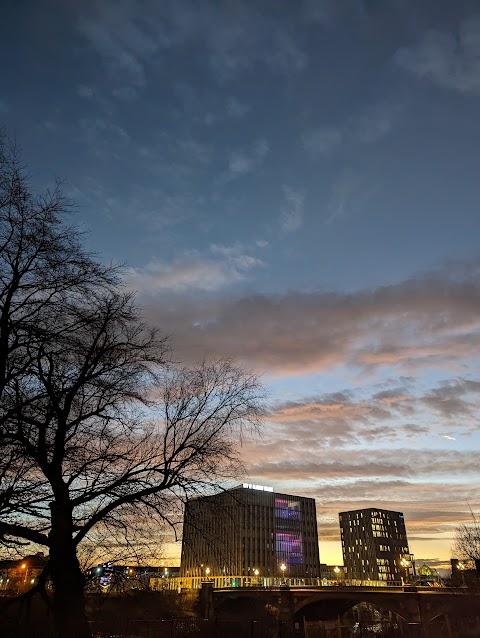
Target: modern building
(250, 530)
(375, 545)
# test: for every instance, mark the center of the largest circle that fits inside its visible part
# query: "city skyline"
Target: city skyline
(294, 186)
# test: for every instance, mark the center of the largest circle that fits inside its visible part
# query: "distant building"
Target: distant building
(250, 531)
(375, 546)
(427, 576)
(115, 577)
(332, 572)
(21, 575)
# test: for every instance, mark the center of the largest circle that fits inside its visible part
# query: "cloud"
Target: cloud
(343, 420)
(127, 93)
(285, 54)
(428, 321)
(85, 91)
(374, 122)
(242, 162)
(346, 419)
(242, 35)
(394, 479)
(154, 209)
(236, 256)
(321, 140)
(228, 265)
(237, 109)
(197, 274)
(177, 160)
(291, 217)
(350, 192)
(103, 136)
(365, 475)
(450, 60)
(367, 126)
(451, 399)
(132, 38)
(123, 37)
(195, 150)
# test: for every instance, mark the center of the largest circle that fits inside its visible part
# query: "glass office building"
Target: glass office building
(250, 531)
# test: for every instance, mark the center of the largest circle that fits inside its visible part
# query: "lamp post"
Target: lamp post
(336, 569)
(25, 574)
(405, 564)
(283, 567)
(461, 567)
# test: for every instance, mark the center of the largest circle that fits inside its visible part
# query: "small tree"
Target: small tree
(467, 541)
(97, 432)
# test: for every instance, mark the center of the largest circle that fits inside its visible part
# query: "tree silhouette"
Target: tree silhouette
(97, 430)
(467, 541)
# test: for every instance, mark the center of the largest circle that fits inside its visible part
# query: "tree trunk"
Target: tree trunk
(67, 578)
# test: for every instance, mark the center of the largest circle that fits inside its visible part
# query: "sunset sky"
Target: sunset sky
(294, 184)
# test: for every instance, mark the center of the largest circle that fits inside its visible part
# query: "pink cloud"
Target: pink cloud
(430, 321)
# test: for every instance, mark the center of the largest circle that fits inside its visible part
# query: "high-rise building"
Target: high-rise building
(250, 530)
(375, 545)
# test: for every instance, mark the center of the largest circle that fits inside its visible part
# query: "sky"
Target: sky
(294, 185)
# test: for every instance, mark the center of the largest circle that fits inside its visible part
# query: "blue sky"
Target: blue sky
(295, 185)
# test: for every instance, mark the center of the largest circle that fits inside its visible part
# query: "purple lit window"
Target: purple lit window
(289, 547)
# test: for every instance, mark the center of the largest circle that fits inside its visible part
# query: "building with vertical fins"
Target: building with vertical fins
(375, 545)
(250, 530)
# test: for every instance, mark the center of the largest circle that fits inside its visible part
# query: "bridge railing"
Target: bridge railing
(180, 583)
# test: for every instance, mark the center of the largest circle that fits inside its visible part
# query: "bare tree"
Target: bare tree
(467, 541)
(96, 431)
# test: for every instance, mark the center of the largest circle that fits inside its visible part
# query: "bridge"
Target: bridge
(416, 609)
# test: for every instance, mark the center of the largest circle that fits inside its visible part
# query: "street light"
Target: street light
(207, 571)
(462, 567)
(25, 567)
(283, 567)
(336, 569)
(405, 564)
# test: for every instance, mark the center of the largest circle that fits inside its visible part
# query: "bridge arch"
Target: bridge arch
(321, 607)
